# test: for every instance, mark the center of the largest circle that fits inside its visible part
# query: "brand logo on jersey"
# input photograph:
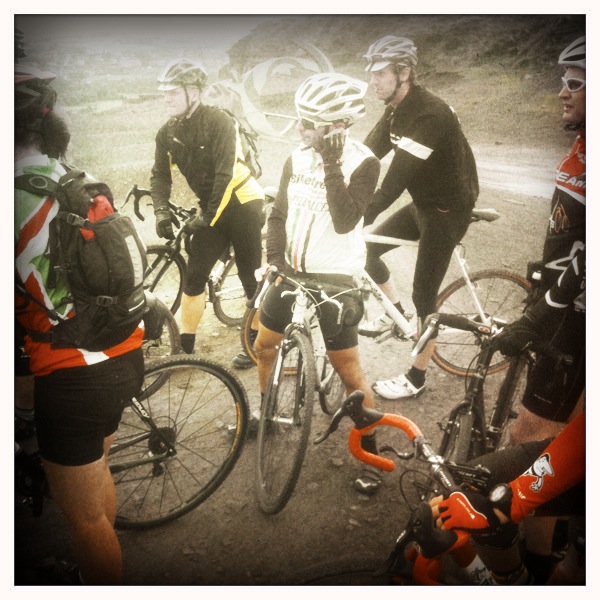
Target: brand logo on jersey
(310, 181)
(559, 220)
(540, 468)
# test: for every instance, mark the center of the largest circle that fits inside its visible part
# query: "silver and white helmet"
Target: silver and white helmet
(181, 72)
(327, 98)
(391, 50)
(574, 54)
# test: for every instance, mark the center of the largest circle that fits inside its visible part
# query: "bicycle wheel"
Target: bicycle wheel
(507, 405)
(178, 445)
(349, 572)
(248, 333)
(228, 296)
(329, 384)
(165, 274)
(169, 341)
(502, 295)
(456, 442)
(285, 422)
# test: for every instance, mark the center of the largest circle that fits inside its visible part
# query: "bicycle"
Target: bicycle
(301, 368)
(167, 266)
(423, 554)
(178, 440)
(489, 296)
(468, 431)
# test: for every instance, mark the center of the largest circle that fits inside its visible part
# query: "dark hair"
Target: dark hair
(50, 133)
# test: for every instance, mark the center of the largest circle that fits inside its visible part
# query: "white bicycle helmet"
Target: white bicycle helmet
(327, 98)
(574, 54)
(180, 73)
(391, 50)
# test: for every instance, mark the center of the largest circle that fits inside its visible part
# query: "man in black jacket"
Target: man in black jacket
(434, 163)
(203, 142)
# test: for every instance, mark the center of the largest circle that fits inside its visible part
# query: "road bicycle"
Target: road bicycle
(178, 440)
(469, 430)
(300, 370)
(488, 296)
(423, 554)
(167, 265)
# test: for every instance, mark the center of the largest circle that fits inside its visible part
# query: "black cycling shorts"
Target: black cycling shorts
(76, 408)
(276, 311)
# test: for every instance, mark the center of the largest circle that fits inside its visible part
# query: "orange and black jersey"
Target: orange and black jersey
(566, 229)
(206, 148)
(432, 158)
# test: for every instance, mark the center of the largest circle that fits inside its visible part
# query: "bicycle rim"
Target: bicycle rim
(508, 403)
(164, 275)
(169, 341)
(248, 335)
(502, 296)
(285, 423)
(199, 408)
(228, 296)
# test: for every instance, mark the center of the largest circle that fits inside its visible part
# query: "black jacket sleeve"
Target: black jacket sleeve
(276, 236)
(160, 178)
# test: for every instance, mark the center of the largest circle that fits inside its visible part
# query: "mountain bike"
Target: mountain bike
(488, 296)
(301, 368)
(422, 553)
(167, 265)
(178, 440)
(469, 430)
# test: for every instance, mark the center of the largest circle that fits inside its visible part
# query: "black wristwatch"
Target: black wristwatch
(501, 498)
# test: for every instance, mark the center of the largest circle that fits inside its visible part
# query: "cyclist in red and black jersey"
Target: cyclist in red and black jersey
(433, 161)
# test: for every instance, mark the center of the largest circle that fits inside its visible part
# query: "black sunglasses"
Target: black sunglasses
(573, 84)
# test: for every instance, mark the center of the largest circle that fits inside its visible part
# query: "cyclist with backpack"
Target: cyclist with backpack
(433, 161)
(315, 230)
(79, 391)
(203, 142)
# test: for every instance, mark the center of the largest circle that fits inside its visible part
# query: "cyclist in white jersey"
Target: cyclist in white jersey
(315, 229)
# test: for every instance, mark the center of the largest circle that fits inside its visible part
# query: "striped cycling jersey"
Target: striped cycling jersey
(33, 215)
(313, 246)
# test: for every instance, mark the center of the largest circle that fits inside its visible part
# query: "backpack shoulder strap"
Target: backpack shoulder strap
(40, 185)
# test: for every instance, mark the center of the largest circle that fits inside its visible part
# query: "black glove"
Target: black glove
(516, 336)
(195, 225)
(164, 227)
(333, 147)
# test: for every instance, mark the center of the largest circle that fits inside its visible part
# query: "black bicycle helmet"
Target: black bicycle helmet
(574, 54)
(33, 92)
(331, 98)
(391, 50)
(180, 73)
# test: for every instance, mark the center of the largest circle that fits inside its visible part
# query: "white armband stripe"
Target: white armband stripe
(553, 304)
(414, 148)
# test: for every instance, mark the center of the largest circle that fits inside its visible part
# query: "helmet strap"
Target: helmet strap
(399, 84)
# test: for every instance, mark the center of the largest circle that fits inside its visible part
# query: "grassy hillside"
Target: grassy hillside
(498, 72)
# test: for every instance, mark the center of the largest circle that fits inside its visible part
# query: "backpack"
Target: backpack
(249, 148)
(102, 257)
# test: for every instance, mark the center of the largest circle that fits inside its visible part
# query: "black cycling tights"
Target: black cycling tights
(438, 234)
(239, 225)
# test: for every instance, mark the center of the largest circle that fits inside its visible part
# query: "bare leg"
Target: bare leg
(86, 495)
(266, 351)
(347, 364)
(389, 289)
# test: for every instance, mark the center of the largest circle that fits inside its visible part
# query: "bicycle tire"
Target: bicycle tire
(165, 282)
(502, 294)
(246, 338)
(346, 572)
(228, 296)
(505, 410)
(333, 392)
(456, 443)
(285, 421)
(203, 409)
(169, 341)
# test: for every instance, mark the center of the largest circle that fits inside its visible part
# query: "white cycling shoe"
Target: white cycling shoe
(398, 388)
(375, 327)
